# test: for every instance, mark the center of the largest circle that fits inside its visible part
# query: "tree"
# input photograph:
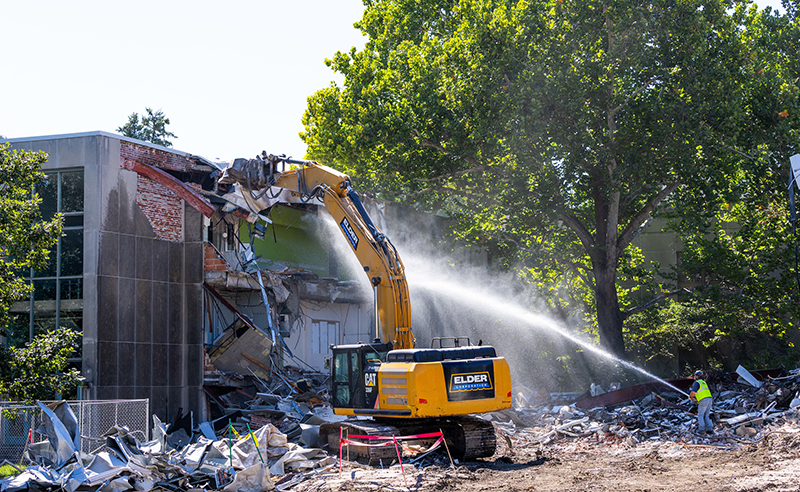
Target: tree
(40, 370)
(152, 128)
(552, 130)
(25, 238)
(742, 257)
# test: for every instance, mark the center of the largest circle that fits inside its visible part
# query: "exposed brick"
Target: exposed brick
(162, 207)
(130, 152)
(213, 261)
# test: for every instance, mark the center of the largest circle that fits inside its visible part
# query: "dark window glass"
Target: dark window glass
(341, 371)
(19, 329)
(71, 289)
(56, 301)
(73, 319)
(341, 379)
(44, 290)
(48, 192)
(72, 253)
(43, 324)
(73, 220)
(72, 192)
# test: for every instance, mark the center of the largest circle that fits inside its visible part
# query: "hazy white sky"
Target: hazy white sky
(232, 77)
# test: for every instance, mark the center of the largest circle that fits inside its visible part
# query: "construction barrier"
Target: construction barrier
(395, 441)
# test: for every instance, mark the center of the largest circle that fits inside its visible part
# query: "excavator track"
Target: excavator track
(467, 437)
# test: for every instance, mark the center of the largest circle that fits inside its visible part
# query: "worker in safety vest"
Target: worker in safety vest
(702, 395)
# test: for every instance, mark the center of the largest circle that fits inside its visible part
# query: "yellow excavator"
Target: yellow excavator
(405, 390)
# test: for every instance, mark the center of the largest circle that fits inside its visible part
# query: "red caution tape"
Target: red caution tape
(399, 438)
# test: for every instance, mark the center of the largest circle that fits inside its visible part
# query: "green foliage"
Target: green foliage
(151, 128)
(11, 470)
(25, 238)
(704, 332)
(40, 370)
(739, 247)
(553, 130)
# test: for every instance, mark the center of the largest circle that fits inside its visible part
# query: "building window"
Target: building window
(323, 335)
(57, 297)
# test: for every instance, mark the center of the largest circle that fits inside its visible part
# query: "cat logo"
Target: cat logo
(470, 382)
(370, 378)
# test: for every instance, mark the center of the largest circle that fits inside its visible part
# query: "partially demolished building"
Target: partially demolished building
(172, 282)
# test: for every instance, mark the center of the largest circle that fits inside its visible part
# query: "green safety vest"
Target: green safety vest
(703, 392)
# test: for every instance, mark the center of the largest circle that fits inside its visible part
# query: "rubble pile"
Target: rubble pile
(265, 433)
(294, 401)
(178, 458)
(745, 410)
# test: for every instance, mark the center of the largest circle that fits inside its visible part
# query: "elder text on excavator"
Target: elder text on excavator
(405, 390)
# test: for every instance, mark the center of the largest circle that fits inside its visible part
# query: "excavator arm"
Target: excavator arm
(377, 255)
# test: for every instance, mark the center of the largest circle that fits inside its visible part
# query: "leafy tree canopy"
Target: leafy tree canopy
(25, 238)
(151, 128)
(554, 130)
(40, 370)
(741, 256)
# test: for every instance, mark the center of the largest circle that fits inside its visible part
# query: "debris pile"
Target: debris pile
(205, 459)
(746, 407)
(294, 401)
(265, 434)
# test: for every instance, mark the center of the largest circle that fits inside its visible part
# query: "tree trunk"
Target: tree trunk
(609, 315)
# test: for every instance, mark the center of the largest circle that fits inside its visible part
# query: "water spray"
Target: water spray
(459, 292)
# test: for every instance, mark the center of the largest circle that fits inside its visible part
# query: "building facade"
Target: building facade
(128, 272)
(150, 270)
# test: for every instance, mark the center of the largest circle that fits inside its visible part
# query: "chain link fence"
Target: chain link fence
(95, 418)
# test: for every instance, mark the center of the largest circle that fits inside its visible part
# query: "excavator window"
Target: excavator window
(350, 362)
(345, 364)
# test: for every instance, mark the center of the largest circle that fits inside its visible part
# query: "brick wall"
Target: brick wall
(162, 208)
(213, 262)
(160, 205)
(168, 161)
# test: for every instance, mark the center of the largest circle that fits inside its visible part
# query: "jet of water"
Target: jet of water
(462, 292)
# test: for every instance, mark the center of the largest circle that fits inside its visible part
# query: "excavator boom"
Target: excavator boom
(373, 249)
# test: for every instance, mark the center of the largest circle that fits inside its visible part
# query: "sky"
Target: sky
(233, 80)
(233, 77)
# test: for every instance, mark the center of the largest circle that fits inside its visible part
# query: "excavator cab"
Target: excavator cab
(355, 374)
